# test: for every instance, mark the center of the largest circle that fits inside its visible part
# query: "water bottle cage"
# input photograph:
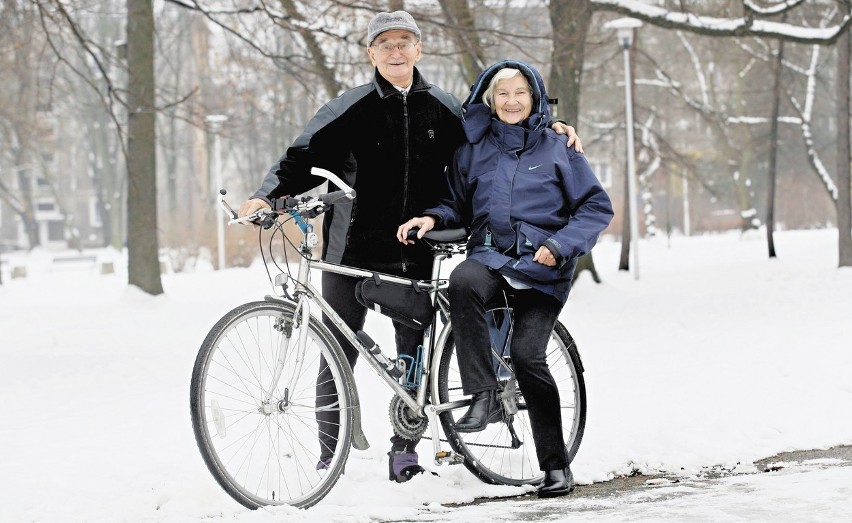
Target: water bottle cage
(412, 368)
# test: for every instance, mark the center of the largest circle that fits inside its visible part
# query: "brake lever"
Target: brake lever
(229, 211)
(268, 219)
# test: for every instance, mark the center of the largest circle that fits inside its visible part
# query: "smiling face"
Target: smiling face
(513, 99)
(394, 64)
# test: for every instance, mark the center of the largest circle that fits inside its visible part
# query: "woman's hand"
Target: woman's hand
(426, 224)
(561, 128)
(545, 257)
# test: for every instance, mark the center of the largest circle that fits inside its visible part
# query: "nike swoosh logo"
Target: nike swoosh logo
(534, 167)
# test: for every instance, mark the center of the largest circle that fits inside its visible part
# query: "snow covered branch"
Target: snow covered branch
(740, 26)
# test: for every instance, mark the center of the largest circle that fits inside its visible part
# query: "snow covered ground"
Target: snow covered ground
(813, 491)
(715, 357)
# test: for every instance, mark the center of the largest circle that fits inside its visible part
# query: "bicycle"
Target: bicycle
(253, 392)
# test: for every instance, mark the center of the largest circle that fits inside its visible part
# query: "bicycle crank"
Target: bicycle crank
(406, 423)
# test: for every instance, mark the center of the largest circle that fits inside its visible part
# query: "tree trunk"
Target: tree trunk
(569, 20)
(143, 265)
(462, 29)
(624, 258)
(773, 151)
(25, 182)
(325, 73)
(844, 184)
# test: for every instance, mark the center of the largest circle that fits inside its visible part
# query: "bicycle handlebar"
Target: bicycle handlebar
(334, 196)
(306, 205)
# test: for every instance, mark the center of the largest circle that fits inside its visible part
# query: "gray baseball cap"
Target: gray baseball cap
(388, 21)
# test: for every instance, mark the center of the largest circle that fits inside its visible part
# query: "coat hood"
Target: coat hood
(476, 116)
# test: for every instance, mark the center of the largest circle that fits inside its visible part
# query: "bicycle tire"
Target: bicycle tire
(489, 454)
(264, 457)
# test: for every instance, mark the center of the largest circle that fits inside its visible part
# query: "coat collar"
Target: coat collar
(513, 138)
(386, 89)
(478, 120)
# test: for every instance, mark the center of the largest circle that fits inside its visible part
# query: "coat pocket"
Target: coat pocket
(530, 238)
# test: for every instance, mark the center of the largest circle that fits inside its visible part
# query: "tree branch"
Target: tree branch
(721, 27)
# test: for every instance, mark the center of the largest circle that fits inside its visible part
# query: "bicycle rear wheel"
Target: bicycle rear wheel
(490, 454)
(262, 449)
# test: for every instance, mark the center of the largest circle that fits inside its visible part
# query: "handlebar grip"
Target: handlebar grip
(333, 196)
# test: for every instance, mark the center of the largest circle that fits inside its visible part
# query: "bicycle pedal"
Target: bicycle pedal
(450, 458)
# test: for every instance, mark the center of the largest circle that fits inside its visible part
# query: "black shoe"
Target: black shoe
(484, 408)
(556, 483)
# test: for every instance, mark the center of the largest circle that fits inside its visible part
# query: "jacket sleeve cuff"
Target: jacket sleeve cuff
(438, 220)
(553, 246)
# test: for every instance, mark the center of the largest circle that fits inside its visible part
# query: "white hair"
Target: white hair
(502, 74)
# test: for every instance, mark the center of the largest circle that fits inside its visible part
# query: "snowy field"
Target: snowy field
(714, 358)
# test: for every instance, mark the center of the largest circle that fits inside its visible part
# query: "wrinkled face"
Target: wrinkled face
(512, 99)
(394, 53)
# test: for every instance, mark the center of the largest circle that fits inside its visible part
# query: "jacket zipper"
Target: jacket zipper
(405, 171)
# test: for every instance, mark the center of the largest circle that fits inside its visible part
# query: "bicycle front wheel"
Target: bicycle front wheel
(504, 454)
(260, 439)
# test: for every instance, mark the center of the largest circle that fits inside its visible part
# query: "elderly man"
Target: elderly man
(391, 140)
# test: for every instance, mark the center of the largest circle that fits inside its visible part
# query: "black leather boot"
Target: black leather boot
(484, 408)
(556, 483)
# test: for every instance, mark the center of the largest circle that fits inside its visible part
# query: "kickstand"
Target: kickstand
(516, 442)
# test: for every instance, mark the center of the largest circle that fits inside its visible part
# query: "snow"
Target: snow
(714, 358)
(720, 26)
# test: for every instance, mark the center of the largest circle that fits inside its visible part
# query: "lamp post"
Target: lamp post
(214, 125)
(624, 30)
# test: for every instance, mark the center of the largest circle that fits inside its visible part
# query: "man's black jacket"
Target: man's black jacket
(393, 150)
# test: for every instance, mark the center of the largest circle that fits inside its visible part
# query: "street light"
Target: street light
(214, 125)
(624, 30)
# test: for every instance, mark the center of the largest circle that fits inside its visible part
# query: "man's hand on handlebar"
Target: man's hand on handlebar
(252, 206)
(425, 223)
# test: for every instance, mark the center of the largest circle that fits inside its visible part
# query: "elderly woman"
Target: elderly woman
(533, 207)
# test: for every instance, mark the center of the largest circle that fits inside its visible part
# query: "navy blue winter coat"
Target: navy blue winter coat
(519, 187)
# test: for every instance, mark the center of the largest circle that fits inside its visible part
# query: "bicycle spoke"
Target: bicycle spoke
(263, 450)
(490, 454)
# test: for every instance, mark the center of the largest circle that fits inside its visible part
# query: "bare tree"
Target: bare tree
(844, 181)
(773, 150)
(757, 21)
(142, 244)
(570, 23)
(461, 26)
(18, 120)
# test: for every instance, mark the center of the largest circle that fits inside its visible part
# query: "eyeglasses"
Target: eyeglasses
(388, 47)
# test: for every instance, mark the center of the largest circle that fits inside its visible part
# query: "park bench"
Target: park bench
(74, 261)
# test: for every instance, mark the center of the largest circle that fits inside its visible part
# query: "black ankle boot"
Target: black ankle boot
(484, 408)
(557, 482)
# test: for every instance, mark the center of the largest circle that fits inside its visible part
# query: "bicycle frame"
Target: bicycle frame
(305, 293)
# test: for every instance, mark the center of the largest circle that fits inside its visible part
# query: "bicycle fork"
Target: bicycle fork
(285, 326)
